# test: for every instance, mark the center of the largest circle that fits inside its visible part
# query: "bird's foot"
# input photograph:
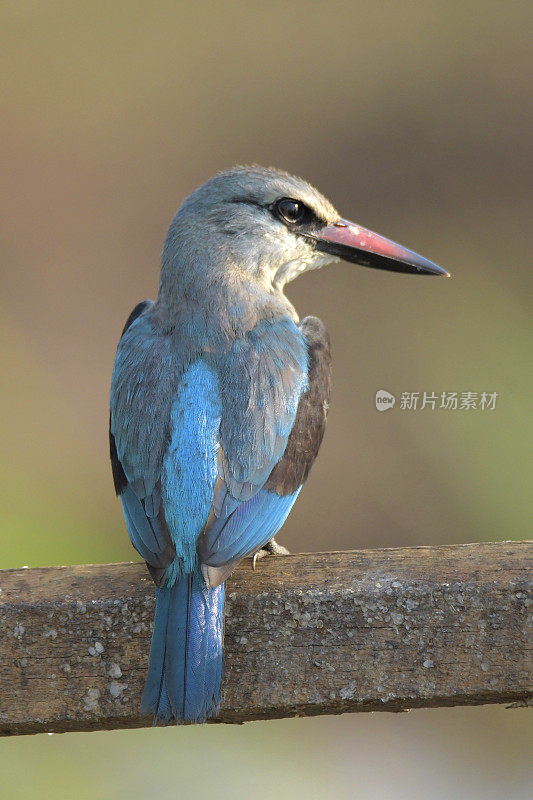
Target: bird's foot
(271, 548)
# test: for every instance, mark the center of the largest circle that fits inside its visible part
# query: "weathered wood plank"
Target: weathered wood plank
(306, 634)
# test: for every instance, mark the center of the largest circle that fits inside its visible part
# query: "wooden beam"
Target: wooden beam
(322, 633)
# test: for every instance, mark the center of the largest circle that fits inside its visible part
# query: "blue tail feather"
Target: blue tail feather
(185, 667)
(154, 677)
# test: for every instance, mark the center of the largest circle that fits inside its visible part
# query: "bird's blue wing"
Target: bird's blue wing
(285, 422)
(144, 381)
(262, 377)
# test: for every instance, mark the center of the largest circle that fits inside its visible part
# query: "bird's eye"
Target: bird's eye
(291, 211)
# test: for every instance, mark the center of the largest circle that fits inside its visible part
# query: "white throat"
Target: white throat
(297, 266)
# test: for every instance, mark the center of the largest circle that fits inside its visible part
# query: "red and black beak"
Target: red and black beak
(353, 243)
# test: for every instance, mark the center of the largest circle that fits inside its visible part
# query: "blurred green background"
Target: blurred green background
(417, 121)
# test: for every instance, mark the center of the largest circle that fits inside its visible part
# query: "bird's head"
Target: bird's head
(272, 226)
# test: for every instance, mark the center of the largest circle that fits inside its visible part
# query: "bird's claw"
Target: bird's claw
(271, 548)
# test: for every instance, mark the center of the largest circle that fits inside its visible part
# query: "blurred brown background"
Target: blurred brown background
(417, 121)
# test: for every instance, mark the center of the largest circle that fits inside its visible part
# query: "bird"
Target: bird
(218, 405)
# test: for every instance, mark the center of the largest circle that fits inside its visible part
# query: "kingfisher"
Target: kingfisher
(218, 406)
